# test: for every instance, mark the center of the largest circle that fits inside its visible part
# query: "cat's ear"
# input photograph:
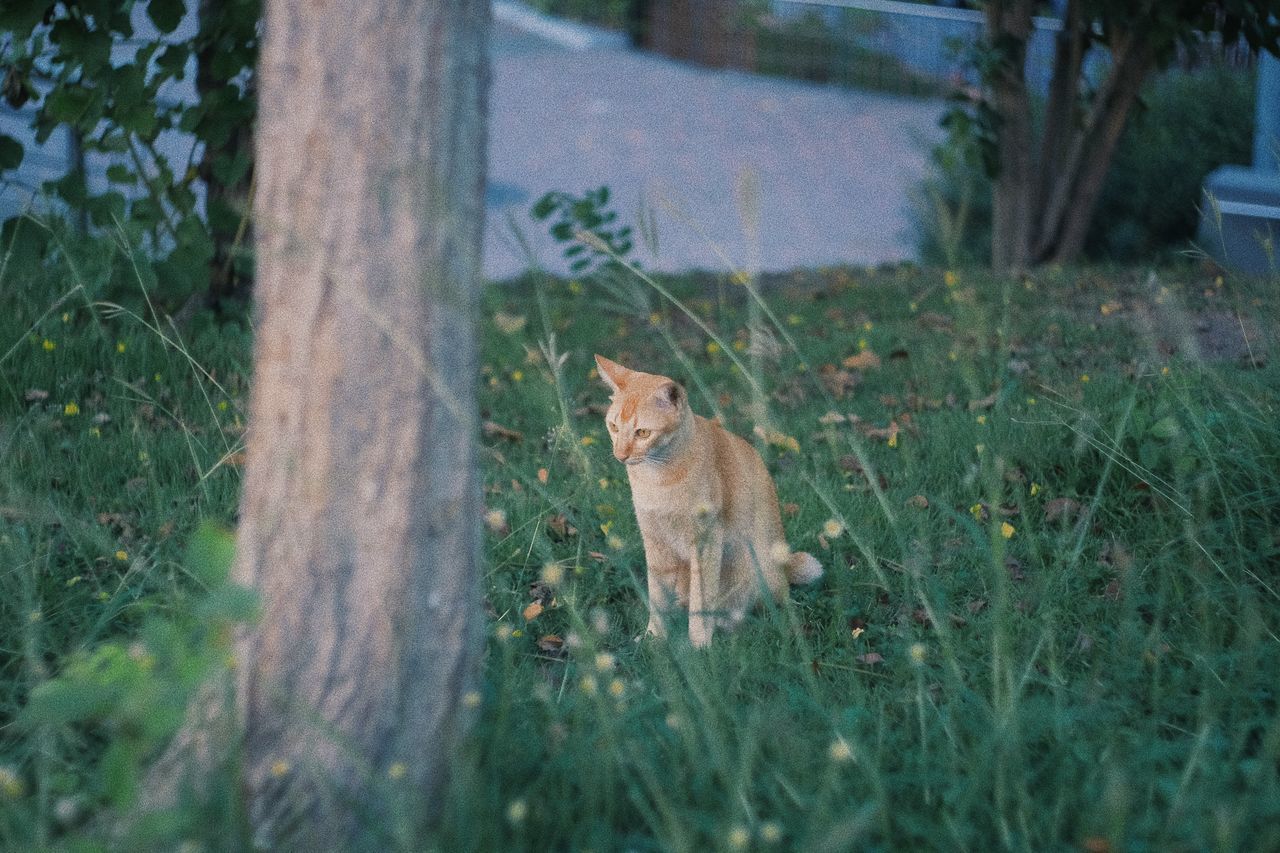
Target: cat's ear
(669, 396)
(613, 374)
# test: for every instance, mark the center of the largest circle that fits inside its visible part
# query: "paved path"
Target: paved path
(835, 168)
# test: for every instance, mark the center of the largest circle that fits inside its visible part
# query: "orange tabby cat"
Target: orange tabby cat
(707, 509)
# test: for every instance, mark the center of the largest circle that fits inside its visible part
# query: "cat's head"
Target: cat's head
(645, 412)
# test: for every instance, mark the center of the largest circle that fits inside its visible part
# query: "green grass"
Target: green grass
(1104, 677)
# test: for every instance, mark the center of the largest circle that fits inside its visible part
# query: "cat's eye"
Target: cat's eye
(642, 433)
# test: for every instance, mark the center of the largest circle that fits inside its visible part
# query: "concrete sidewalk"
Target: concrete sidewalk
(834, 167)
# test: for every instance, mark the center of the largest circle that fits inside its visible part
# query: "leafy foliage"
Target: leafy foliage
(1188, 124)
(83, 66)
(568, 215)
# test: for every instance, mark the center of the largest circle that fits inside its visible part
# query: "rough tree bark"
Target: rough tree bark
(359, 516)
(1010, 22)
(1044, 194)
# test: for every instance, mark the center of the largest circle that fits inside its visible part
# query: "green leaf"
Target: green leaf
(23, 244)
(228, 604)
(119, 769)
(21, 16)
(1166, 427)
(11, 152)
(211, 552)
(228, 169)
(64, 701)
(173, 60)
(106, 209)
(543, 207)
(118, 173)
(166, 14)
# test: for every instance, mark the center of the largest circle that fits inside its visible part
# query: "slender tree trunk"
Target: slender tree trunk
(1062, 114)
(359, 517)
(1008, 25)
(1103, 139)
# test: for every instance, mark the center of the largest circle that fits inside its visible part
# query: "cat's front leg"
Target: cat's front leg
(658, 595)
(704, 584)
(662, 567)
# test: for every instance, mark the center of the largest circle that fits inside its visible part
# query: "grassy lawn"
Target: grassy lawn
(1049, 513)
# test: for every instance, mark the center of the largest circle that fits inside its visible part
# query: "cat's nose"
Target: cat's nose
(620, 454)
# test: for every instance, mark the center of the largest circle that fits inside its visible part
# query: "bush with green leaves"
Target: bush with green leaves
(1188, 124)
(65, 58)
(569, 215)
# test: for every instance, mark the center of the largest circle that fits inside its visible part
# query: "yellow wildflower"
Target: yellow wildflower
(397, 770)
(122, 555)
(71, 409)
(832, 528)
(49, 346)
(840, 751)
(1007, 530)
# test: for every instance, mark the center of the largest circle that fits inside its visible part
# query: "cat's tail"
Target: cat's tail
(802, 568)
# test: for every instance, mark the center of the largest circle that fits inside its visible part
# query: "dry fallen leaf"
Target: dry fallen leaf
(832, 418)
(918, 501)
(1061, 509)
(870, 658)
(551, 643)
(865, 360)
(496, 430)
(36, 395)
(935, 322)
(508, 324)
(838, 382)
(985, 403)
(532, 611)
(543, 475)
(559, 527)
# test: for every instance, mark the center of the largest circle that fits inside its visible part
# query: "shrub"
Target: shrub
(1188, 124)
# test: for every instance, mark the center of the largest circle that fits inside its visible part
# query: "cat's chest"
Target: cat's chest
(673, 508)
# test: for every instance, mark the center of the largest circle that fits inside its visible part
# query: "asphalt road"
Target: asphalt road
(834, 168)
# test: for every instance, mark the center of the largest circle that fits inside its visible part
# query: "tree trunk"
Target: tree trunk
(1103, 138)
(359, 517)
(1008, 26)
(1062, 114)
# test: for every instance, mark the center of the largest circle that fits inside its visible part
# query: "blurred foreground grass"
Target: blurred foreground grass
(1049, 512)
